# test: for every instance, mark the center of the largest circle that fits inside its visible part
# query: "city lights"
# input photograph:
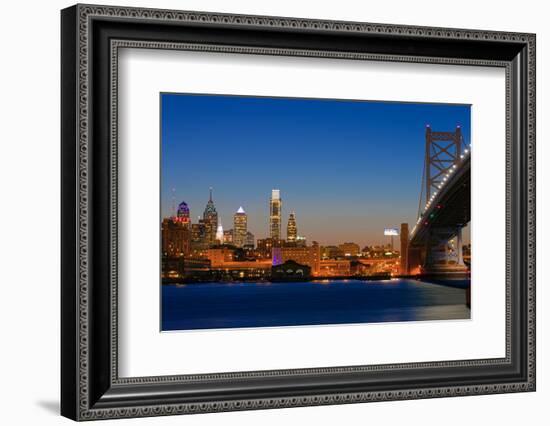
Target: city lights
(192, 250)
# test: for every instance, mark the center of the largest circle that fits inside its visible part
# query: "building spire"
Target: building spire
(173, 201)
(210, 193)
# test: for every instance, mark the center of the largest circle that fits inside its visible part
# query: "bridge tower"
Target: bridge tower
(404, 248)
(442, 152)
(439, 253)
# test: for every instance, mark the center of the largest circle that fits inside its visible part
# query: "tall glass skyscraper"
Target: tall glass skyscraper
(275, 208)
(210, 218)
(239, 227)
(291, 229)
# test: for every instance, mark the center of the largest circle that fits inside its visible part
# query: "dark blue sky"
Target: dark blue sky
(346, 168)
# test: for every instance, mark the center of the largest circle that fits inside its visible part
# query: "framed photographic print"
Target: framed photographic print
(263, 212)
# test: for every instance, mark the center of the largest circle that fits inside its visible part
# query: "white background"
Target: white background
(29, 217)
(146, 352)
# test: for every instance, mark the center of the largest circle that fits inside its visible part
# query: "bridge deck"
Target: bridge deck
(449, 209)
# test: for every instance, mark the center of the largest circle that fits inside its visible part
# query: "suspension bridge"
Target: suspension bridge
(434, 245)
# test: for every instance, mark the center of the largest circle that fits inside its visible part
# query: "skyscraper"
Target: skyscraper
(240, 220)
(176, 232)
(182, 215)
(291, 229)
(210, 218)
(275, 207)
(219, 234)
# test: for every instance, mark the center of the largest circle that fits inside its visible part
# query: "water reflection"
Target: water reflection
(219, 305)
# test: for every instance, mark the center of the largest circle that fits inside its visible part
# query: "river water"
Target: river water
(250, 304)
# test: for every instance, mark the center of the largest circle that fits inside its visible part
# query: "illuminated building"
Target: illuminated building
(219, 234)
(310, 256)
(375, 252)
(242, 270)
(291, 229)
(197, 232)
(220, 256)
(350, 249)
(290, 271)
(249, 242)
(177, 268)
(359, 268)
(335, 268)
(228, 236)
(176, 237)
(277, 256)
(275, 208)
(210, 218)
(239, 227)
(331, 252)
(225, 266)
(264, 247)
(300, 241)
(182, 215)
(198, 238)
(379, 266)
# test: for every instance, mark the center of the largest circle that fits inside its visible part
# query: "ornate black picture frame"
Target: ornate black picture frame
(91, 387)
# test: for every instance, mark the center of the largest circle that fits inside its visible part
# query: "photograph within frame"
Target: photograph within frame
(91, 387)
(358, 172)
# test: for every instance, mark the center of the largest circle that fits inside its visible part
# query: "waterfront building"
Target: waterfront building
(291, 229)
(350, 249)
(174, 268)
(309, 256)
(275, 209)
(380, 266)
(290, 271)
(242, 270)
(210, 217)
(335, 268)
(176, 237)
(360, 268)
(240, 220)
(219, 256)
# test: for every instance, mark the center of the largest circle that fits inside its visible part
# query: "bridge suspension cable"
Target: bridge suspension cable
(419, 212)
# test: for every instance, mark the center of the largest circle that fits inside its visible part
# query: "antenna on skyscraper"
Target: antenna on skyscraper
(174, 201)
(210, 193)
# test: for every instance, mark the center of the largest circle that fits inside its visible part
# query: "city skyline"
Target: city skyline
(291, 221)
(338, 192)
